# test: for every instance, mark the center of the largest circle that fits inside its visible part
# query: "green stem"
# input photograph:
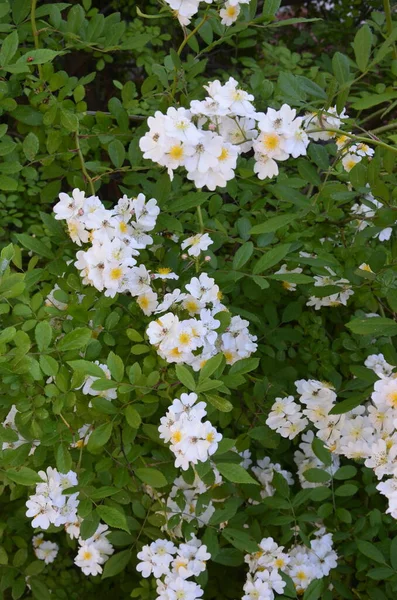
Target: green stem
(200, 218)
(384, 128)
(35, 33)
(389, 23)
(191, 34)
(359, 138)
(83, 167)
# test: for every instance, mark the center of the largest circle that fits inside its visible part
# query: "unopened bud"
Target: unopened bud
(184, 257)
(207, 259)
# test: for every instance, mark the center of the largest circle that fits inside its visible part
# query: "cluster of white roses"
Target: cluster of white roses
(9, 423)
(116, 235)
(368, 432)
(44, 549)
(50, 505)
(335, 299)
(208, 138)
(301, 563)
(108, 265)
(264, 471)
(187, 508)
(176, 565)
(367, 210)
(192, 440)
(194, 340)
(184, 10)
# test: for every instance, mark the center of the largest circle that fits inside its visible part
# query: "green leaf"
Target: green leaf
(370, 551)
(75, 340)
(48, 365)
(23, 476)
(86, 367)
(191, 200)
(273, 224)
(117, 563)
(219, 403)
(43, 335)
(316, 475)
(270, 7)
(243, 255)
(210, 367)
(185, 377)
(133, 417)
(362, 46)
(271, 258)
(151, 477)
(113, 517)
(393, 553)
(35, 245)
(37, 57)
(244, 365)
(346, 405)
(69, 120)
(322, 452)
(381, 573)
(30, 145)
(348, 489)
(39, 589)
(240, 539)
(8, 184)
(375, 326)
(116, 366)
(99, 437)
(63, 459)
(345, 472)
(235, 473)
(314, 590)
(341, 68)
(116, 152)
(8, 48)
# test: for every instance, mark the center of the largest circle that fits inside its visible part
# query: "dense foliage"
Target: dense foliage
(305, 253)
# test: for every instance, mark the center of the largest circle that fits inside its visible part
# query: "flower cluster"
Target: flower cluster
(176, 565)
(301, 563)
(94, 551)
(44, 549)
(109, 265)
(264, 471)
(184, 10)
(191, 439)
(194, 340)
(182, 501)
(367, 433)
(335, 299)
(49, 505)
(9, 423)
(367, 210)
(208, 138)
(116, 236)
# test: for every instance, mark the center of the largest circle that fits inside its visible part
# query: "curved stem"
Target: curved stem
(191, 34)
(35, 33)
(83, 167)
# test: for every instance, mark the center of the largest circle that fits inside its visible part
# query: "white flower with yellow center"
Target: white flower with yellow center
(197, 243)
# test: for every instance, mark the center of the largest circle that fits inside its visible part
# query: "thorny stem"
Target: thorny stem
(35, 33)
(83, 167)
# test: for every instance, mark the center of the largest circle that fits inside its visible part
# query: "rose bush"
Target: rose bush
(198, 297)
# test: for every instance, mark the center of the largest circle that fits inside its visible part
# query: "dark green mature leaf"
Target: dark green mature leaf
(117, 563)
(23, 476)
(271, 258)
(315, 589)
(113, 517)
(76, 339)
(273, 224)
(375, 326)
(35, 245)
(185, 377)
(235, 473)
(152, 477)
(240, 539)
(370, 551)
(243, 255)
(99, 437)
